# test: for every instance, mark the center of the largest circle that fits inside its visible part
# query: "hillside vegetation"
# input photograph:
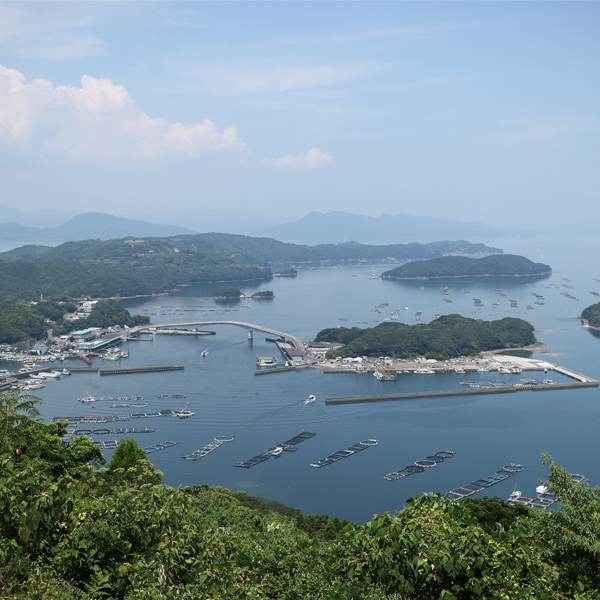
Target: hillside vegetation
(592, 314)
(20, 322)
(498, 265)
(74, 530)
(448, 336)
(114, 268)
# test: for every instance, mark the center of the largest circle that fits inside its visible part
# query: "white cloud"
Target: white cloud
(98, 120)
(313, 159)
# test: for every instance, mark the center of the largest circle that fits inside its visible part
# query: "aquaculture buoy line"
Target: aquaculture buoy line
(362, 445)
(505, 472)
(419, 466)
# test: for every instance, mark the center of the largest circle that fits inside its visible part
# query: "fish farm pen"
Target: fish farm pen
(285, 447)
(481, 484)
(543, 500)
(218, 441)
(419, 466)
(363, 445)
(161, 446)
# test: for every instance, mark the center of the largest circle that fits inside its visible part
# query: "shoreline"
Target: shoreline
(585, 324)
(465, 276)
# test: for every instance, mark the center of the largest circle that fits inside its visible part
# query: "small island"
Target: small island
(266, 295)
(592, 315)
(228, 292)
(497, 265)
(448, 336)
(286, 273)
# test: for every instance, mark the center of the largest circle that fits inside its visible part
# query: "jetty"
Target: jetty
(151, 369)
(512, 389)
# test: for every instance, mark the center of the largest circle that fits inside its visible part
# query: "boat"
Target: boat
(184, 413)
(277, 452)
(53, 374)
(65, 372)
(204, 352)
(311, 398)
(548, 381)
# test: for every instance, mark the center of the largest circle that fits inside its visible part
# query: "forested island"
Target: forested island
(19, 322)
(592, 314)
(227, 292)
(136, 267)
(497, 265)
(448, 336)
(75, 528)
(265, 295)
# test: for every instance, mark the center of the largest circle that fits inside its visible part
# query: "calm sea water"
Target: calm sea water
(227, 398)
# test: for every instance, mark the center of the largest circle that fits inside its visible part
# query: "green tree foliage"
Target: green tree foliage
(499, 265)
(227, 291)
(592, 314)
(19, 322)
(127, 455)
(264, 294)
(446, 337)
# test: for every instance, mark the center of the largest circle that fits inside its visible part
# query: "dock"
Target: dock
(274, 370)
(151, 369)
(464, 392)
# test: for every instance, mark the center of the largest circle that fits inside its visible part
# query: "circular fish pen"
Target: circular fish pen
(369, 442)
(225, 438)
(445, 454)
(425, 463)
(414, 469)
(83, 432)
(101, 431)
(140, 404)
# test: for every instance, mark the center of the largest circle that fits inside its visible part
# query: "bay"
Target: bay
(227, 398)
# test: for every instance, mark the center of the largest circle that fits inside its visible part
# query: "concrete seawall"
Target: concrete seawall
(465, 392)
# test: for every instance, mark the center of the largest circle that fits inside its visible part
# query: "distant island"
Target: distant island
(286, 273)
(448, 336)
(497, 265)
(228, 292)
(592, 315)
(263, 295)
(146, 266)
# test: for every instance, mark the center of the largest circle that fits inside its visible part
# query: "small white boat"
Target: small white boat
(276, 452)
(205, 353)
(547, 381)
(310, 399)
(65, 372)
(184, 413)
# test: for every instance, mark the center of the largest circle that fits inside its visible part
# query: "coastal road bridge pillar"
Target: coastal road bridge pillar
(250, 335)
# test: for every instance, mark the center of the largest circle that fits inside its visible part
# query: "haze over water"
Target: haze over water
(226, 396)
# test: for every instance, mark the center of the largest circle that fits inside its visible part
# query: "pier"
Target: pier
(464, 392)
(125, 370)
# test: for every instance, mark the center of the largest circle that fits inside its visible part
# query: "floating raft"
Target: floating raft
(419, 466)
(218, 441)
(477, 486)
(158, 447)
(165, 396)
(89, 399)
(286, 447)
(544, 500)
(91, 419)
(363, 445)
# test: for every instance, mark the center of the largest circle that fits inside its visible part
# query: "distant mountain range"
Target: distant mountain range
(88, 226)
(336, 227)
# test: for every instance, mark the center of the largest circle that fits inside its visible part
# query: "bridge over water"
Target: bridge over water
(294, 341)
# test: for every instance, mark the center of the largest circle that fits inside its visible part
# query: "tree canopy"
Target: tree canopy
(448, 336)
(497, 265)
(592, 314)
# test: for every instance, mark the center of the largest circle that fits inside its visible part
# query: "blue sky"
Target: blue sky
(475, 111)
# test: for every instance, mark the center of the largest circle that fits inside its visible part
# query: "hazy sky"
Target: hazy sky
(475, 111)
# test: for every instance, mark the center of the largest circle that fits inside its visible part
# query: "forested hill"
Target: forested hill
(592, 314)
(498, 265)
(114, 268)
(243, 249)
(448, 336)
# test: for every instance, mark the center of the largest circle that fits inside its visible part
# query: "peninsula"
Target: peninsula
(497, 265)
(448, 336)
(592, 315)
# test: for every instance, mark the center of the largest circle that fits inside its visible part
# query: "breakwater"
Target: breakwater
(463, 392)
(151, 369)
